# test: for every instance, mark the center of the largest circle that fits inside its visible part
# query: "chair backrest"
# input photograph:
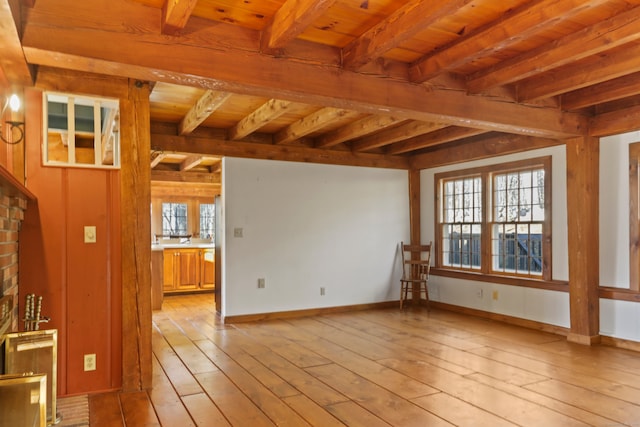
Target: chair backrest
(416, 261)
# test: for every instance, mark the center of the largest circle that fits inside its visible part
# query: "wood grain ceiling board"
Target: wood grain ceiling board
(431, 71)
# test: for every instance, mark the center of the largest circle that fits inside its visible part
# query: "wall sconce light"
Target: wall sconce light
(14, 103)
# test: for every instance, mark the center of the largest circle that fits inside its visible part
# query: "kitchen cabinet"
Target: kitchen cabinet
(188, 269)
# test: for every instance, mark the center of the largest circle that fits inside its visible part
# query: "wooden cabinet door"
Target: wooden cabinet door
(207, 269)
(169, 270)
(188, 268)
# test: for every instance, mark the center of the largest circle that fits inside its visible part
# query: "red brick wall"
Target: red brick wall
(11, 214)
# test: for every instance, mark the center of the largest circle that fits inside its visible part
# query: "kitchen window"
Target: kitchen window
(174, 219)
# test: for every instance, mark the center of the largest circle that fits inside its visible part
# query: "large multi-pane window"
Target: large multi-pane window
(496, 220)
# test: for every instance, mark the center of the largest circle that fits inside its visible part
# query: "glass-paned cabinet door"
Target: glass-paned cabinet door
(81, 131)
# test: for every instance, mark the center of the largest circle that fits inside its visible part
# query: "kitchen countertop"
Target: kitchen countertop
(160, 247)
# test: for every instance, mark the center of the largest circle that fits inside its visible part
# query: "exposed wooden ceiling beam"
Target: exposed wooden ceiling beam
(175, 176)
(610, 90)
(403, 24)
(213, 63)
(395, 134)
(605, 35)
(293, 17)
(615, 122)
(209, 102)
(176, 14)
(483, 147)
(293, 153)
(510, 29)
(190, 162)
(12, 61)
(441, 136)
(157, 159)
(267, 112)
(619, 62)
(311, 123)
(358, 128)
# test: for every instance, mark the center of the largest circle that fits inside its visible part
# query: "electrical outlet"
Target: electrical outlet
(322, 291)
(89, 362)
(480, 293)
(237, 232)
(495, 295)
(261, 283)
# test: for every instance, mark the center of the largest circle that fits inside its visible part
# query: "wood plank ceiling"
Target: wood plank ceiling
(372, 82)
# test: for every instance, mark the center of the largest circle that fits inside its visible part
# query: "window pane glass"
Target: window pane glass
(207, 220)
(174, 219)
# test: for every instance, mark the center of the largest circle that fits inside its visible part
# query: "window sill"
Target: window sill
(552, 285)
(620, 294)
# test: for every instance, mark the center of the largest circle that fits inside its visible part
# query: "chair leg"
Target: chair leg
(426, 295)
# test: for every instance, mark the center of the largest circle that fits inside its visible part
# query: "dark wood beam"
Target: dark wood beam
(209, 102)
(16, 70)
(220, 147)
(176, 176)
(483, 147)
(582, 209)
(403, 24)
(176, 14)
(293, 17)
(615, 122)
(604, 35)
(212, 62)
(615, 63)
(507, 31)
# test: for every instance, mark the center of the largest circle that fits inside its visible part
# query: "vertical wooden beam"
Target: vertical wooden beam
(414, 220)
(582, 211)
(634, 216)
(136, 237)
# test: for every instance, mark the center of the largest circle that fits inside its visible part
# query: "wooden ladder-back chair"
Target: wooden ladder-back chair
(416, 262)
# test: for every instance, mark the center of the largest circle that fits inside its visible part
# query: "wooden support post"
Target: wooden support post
(136, 234)
(582, 212)
(414, 221)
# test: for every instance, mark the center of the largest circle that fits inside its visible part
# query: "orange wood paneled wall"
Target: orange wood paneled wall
(80, 282)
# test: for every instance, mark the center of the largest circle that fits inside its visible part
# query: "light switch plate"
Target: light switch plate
(89, 233)
(237, 232)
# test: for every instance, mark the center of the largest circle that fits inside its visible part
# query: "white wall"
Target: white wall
(620, 319)
(539, 305)
(307, 226)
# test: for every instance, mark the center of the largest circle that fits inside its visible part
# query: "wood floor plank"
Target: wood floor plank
(458, 412)
(370, 368)
(180, 376)
(313, 413)
(497, 402)
(622, 412)
(105, 410)
(272, 406)
(556, 405)
(355, 415)
(166, 402)
(137, 410)
(237, 408)
(393, 381)
(188, 352)
(203, 411)
(377, 400)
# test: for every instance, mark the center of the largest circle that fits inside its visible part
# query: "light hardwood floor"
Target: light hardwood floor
(371, 368)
